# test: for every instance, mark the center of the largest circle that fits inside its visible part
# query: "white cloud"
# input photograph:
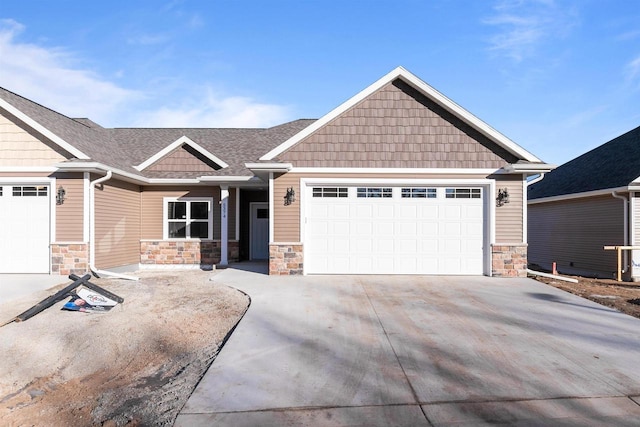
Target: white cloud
(52, 77)
(523, 25)
(213, 110)
(48, 76)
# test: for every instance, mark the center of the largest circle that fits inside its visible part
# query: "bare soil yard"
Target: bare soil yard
(135, 365)
(623, 296)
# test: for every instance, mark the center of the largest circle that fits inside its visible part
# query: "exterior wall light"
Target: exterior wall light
(60, 195)
(503, 197)
(290, 197)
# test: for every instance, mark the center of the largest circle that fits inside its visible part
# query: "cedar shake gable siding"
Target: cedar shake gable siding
(397, 127)
(184, 159)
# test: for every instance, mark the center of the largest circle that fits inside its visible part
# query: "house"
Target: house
(397, 180)
(586, 204)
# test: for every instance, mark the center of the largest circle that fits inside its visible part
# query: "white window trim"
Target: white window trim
(165, 215)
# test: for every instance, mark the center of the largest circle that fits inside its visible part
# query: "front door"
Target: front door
(259, 231)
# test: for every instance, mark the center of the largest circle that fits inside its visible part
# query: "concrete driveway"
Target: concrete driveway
(419, 351)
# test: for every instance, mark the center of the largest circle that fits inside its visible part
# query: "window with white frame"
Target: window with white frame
(188, 218)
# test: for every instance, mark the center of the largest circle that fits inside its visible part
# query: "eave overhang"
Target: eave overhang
(100, 168)
(262, 170)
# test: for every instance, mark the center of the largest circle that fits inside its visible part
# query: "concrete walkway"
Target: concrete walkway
(419, 351)
(13, 286)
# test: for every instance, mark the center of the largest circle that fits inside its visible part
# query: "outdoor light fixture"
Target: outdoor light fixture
(60, 195)
(290, 197)
(503, 197)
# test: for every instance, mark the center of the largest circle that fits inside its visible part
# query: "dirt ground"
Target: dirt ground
(134, 365)
(623, 296)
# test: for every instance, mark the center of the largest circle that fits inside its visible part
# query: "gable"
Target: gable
(397, 127)
(20, 146)
(184, 159)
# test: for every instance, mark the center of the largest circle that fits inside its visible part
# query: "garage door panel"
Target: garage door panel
(397, 235)
(24, 228)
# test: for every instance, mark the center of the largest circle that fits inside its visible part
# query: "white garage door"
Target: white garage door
(394, 230)
(24, 229)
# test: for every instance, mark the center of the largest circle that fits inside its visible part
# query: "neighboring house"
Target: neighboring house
(397, 180)
(586, 204)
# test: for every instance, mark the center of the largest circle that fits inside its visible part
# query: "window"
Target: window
(418, 193)
(374, 192)
(27, 191)
(463, 193)
(330, 192)
(188, 218)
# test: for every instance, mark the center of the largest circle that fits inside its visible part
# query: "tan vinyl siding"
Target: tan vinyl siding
(24, 174)
(287, 218)
(572, 233)
(183, 159)
(152, 209)
(117, 221)
(397, 128)
(18, 147)
(70, 214)
(509, 217)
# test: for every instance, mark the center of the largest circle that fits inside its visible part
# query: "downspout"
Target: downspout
(92, 227)
(626, 228)
(525, 207)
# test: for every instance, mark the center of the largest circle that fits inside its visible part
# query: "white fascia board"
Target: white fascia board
(518, 168)
(43, 130)
(269, 167)
(426, 90)
(137, 179)
(183, 140)
(573, 196)
(389, 171)
(225, 178)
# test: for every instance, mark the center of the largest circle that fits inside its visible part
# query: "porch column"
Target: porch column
(224, 225)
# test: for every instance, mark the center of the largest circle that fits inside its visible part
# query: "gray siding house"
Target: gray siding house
(589, 202)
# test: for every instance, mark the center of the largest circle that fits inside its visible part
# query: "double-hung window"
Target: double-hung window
(188, 218)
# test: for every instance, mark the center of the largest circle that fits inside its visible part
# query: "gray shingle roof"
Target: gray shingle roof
(611, 165)
(124, 148)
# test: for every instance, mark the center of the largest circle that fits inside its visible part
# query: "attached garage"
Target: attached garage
(24, 227)
(395, 229)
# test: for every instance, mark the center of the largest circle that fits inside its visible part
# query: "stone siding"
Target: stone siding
(509, 260)
(69, 258)
(285, 259)
(185, 252)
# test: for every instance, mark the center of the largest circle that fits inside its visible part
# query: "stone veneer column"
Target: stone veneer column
(509, 260)
(69, 258)
(285, 259)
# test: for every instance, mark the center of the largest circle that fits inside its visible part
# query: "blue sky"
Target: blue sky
(558, 77)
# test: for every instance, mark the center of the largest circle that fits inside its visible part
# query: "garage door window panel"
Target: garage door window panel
(331, 192)
(463, 193)
(375, 192)
(419, 193)
(30, 191)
